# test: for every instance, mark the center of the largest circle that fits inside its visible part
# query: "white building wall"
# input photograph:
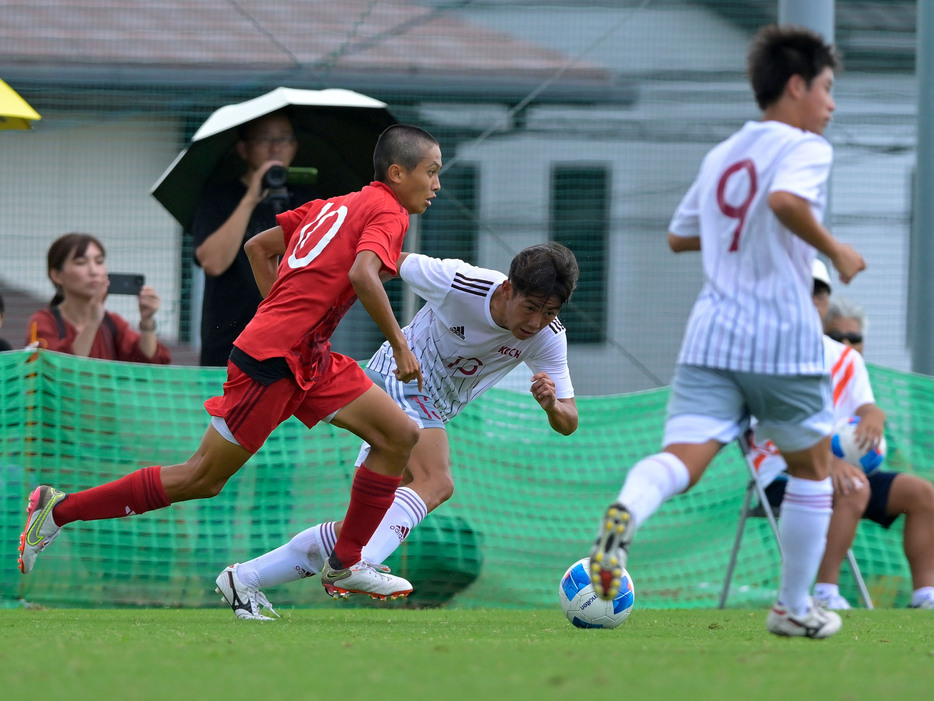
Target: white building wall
(653, 152)
(70, 177)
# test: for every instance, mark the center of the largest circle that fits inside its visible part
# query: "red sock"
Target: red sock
(371, 494)
(137, 493)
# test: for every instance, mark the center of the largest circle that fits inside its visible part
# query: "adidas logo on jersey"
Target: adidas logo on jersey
(458, 331)
(401, 531)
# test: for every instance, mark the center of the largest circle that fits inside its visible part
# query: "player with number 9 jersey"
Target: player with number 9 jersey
(755, 313)
(752, 346)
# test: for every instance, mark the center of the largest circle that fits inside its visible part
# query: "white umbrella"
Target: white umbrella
(336, 131)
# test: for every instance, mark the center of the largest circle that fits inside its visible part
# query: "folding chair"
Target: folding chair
(763, 509)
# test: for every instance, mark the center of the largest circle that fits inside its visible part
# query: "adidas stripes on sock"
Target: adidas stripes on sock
(303, 556)
(371, 495)
(406, 512)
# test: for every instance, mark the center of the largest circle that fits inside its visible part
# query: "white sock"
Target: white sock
(406, 512)
(650, 483)
(922, 594)
(824, 590)
(305, 554)
(802, 527)
(301, 557)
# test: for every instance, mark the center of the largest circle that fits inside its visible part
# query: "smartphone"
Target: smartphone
(125, 283)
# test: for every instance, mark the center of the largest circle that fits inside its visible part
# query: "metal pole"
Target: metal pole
(413, 244)
(920, 283)
(817, 15)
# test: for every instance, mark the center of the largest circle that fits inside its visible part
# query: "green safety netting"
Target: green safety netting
(526, 505)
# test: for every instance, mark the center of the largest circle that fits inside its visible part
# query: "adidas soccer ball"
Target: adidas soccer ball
(844, 446)
(584, 608)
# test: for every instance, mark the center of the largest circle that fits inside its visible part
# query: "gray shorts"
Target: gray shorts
(417, 406)
(794, 411)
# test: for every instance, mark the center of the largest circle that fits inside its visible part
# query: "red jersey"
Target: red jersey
(312, 291)
(115, 340)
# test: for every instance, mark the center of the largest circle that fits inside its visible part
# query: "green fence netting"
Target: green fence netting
(526, 504)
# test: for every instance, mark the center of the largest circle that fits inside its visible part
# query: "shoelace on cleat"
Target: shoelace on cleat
(259, 598)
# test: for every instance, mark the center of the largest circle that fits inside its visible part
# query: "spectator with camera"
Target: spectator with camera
(230, 214)
(77, 321)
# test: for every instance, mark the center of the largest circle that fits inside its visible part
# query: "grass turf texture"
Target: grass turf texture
(183, 654)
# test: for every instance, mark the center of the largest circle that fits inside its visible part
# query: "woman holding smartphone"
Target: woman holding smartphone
(77, 321)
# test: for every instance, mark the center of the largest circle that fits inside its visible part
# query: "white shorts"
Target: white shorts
(417, 406)
(794, 411)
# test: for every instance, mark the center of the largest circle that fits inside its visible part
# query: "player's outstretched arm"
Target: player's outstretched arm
(795, 214)
(562, 413)
(264, 251)
(680, 244)
(365, 277)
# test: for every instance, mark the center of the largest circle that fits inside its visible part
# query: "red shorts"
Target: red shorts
(252, 410)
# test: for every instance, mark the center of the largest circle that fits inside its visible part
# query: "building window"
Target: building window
(580, 215)
(449, 227)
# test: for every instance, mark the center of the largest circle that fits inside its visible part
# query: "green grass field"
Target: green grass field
(442, 655)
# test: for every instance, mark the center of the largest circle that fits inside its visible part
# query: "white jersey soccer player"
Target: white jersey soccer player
(755, 312)
(463, 352)
(752, 345)
(476, 326)
(851, 390)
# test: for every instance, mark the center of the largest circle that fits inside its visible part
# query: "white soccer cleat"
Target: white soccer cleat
(609, 553)
(245, 601)
(40, 527)
(816, 623)
(363, 578)
(834, 602)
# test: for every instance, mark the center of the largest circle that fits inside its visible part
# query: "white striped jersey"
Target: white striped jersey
(461, 349)
(755, 312)
(851, 390)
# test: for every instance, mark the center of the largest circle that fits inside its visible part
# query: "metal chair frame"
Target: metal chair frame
(764, 509)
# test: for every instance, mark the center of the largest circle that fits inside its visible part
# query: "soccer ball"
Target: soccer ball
(843, 444)
(584, 608)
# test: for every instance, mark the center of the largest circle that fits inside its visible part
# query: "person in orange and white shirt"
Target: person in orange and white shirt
(880, 496)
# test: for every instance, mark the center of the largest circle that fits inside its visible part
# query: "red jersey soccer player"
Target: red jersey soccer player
(333, 252)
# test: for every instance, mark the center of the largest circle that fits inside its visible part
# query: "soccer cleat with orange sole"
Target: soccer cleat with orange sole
(610, 551)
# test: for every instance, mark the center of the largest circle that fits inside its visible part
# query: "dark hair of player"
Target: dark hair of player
(778, 52)
(400, 144)
(545, 270)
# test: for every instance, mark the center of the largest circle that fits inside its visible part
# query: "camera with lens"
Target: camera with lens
(274, 182)
(277, 176)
